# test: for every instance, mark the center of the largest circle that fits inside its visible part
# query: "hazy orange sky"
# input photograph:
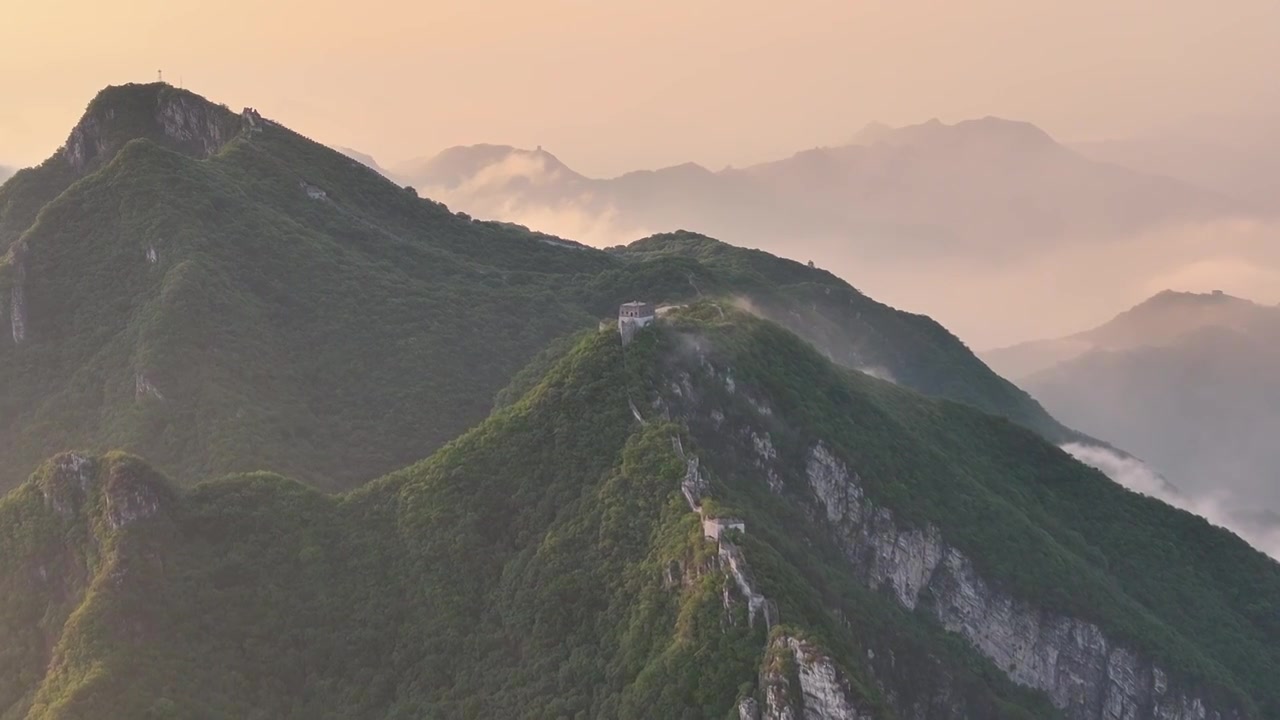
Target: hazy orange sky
(615, 85)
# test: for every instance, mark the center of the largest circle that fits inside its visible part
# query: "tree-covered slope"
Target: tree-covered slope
(852, 329)
(219, 294)
(213, 316)
(901, 558)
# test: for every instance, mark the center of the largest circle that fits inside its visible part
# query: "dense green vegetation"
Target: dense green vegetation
(848, 327)
(1050, 530)
(542, 564)
(545, 565)
(332, 339)
(518, 572)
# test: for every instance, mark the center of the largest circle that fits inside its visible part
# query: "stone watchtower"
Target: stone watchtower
(632, 316)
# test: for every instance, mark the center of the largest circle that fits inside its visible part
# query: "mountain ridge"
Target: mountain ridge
(268, 304)
(782, 499)
(591, 586)
(968, 186)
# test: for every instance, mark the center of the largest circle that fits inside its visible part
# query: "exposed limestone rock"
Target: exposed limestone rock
(184, 120)
(733, 560)
(800, 682)
(825, 691)
(764, 446)
(881, 551)
(66, 483)
(761, 406)
(1072, 660)
(131, 491)
(748, 709)
(85, 143)
(694, 486)
(766, 457)
(129, 496)
(682, 387)
(250, 120)
(635, 412)
(153, 257)
(18, 296)
(1083, 672)
(562, 244)
(144, 387)
(189, 120)
(778, 704)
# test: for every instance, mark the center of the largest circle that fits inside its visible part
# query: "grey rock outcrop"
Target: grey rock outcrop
(66, 483)
(1086, 674)
(18, 296)
(180, 120)
(192, 121)
(734, 562)
(818, 689)
(143, 387)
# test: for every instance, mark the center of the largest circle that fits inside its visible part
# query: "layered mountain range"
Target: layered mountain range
(1189, 382)
(953, 219)
(218, 293)
(1233, 155)
(782, 499)
(988, 187)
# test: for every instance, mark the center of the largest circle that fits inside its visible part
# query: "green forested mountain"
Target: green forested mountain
(219, 294)
(900, 557)
(783, 501)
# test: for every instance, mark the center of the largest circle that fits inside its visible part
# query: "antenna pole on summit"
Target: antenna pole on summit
(160, 75)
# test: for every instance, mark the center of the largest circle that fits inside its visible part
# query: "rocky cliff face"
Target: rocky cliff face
(736, 565)
(1086, 674)
(17, 295)
(128, 490)
(178, 119)
(143, 387)
(65, 485)
(1078, 667)
(130, 496)
(801, 682)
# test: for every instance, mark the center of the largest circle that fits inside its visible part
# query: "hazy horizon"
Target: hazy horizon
(310, 412)
(631, 87)
(611, 89)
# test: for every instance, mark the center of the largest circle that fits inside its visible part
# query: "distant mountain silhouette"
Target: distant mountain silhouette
(1188, 382)
(363, 159)
(990, 186)
(1239, 157)
(1158, 321)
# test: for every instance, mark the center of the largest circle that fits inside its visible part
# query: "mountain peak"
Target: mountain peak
(997, 127)
(1170, 313)
(988, 130)
(1157, 321)
(872, 133)
(176, 118)
(455, 165)
(1169, 296)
